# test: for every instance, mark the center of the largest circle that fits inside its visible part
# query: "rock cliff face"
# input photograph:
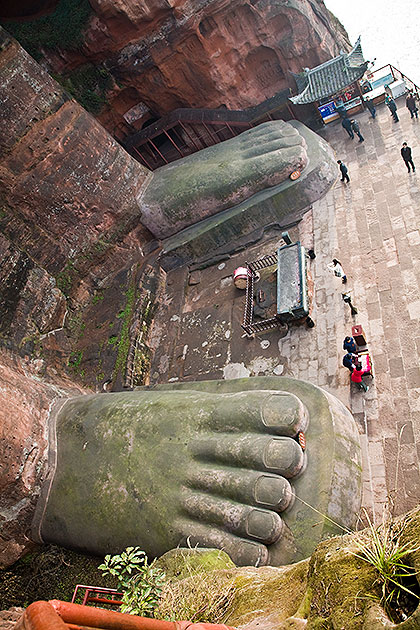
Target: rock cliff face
(200, 53)
(68, 190)
(25, 403)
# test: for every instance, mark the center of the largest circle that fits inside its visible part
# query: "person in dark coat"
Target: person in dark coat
(392, 106)
(371, 107)
(349, 345)
(344, 171)
(347, 126)
(406, 156)
(348, 361)
(356, 128)
(410, 103)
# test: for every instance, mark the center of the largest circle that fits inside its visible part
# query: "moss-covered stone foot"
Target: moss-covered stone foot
(156, 469)
(219, 177)
(163, 468)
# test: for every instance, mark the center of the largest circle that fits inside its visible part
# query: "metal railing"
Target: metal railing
(96, 595)
(249, 326)
(397, 74)
(187, 130)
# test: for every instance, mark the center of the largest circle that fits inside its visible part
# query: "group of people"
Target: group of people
(411, 105)
(352, 127)
(352, 363)
(405, 154)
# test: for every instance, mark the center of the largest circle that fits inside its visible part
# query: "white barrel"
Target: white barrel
(240, 276)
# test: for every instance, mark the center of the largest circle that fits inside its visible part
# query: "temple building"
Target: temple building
(333, 85)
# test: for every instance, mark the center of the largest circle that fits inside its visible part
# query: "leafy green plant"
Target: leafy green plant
(140, 582)
(388, 555)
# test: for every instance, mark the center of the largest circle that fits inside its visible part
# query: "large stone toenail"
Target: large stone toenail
(248, 553)
(283, 456)
(274, 492)
(265, 526)
(285, 411)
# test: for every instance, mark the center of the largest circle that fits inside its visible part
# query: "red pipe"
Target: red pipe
(40, 616)
(108, 619)
(78, 615)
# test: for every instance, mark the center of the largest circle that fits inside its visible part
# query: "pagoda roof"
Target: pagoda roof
(330, 77)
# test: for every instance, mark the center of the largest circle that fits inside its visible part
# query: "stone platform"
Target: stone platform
(371, 226)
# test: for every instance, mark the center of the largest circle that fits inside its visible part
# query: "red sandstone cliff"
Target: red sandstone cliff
(165, 54)
(69, 192)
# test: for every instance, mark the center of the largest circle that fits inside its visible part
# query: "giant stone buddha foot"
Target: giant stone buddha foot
(221, 176)
(215, 467)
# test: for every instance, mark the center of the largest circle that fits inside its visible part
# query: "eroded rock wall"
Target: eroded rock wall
(68, 191)
(25, 402)
(200, 53)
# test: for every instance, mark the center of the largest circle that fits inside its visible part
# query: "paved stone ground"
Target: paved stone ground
(371, 226)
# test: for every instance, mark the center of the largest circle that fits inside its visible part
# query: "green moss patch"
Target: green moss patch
(61, 29)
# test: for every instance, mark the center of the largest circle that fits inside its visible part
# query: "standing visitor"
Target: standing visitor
(344, 171)
(346, 123)
(392, 106)
(406, 156)
(356, 128)
(348, 361)
(337, 269)
(410, 103)
(347, 299)
(371, 107)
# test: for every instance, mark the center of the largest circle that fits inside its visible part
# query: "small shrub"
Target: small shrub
(140, 582)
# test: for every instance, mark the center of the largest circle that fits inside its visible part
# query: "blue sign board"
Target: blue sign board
(327, 110)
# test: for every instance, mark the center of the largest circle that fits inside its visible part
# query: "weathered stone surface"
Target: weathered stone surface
(334, 589)
(68, 190)
(210, 53)
(281, 205)
(205, 53)
(30, 302)
(25, 402)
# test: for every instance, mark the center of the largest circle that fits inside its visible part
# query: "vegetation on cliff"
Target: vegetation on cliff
(64, 30)
(61, 29)
(335, 588)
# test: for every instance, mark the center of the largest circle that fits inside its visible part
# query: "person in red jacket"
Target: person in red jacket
(356, 377)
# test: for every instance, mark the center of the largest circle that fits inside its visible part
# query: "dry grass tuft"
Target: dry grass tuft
(203, 597)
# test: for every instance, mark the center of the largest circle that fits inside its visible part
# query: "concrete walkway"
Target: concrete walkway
(371, 226)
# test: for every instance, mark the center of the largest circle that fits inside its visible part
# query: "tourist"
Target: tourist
(392, 106)
(344, 171)
(346, 123)
(356, 128)
(356, 377)
(349, 344)
(337, 269)
(406, 156)
(371, 107)
(347, 299)
(348, 361)
(410, 103)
